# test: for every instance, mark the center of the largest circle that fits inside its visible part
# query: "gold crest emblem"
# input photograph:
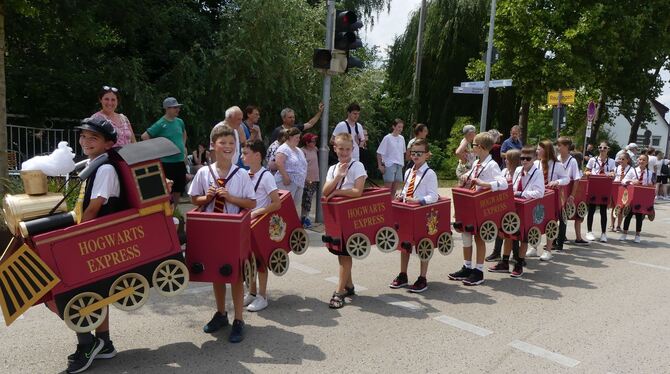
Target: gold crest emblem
(624, 197)
(432, 220)
(277, 228)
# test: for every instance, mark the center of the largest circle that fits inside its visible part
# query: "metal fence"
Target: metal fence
(25, 142)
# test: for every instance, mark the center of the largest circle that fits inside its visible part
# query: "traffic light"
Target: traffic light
(346, 39)
(321, 58)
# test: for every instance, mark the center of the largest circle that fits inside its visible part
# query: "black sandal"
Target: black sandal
(337, 301)
(350, 291)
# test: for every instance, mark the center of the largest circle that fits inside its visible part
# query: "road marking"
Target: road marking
(541, 352)
(399, 303)
(464, 325)
(304, 310)
(650, 265)
(336, 280)
(304, 268)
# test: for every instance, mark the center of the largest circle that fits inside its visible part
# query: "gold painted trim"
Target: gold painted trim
(89, 229)
(151, 209)
(213, 219)
(348, 200)
(85, 311)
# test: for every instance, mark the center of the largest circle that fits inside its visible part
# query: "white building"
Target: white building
(659, 127)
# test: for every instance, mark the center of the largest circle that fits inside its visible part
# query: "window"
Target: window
(655, 141)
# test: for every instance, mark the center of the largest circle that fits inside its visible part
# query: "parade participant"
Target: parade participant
(553, 174)
(601, 165)
(99, 196)
(390, 156)
(420, 188)
(267, 201)
(311, 153)
(572, 168)
(347, 179)
(621, 172)
(528, 183)
(512, 161)
(353, 128)
(291, 167)
(109, 101)
(642, 177)
(229, 195)
(485, 173)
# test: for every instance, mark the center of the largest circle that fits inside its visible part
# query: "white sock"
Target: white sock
(468, 264)
(480, 267)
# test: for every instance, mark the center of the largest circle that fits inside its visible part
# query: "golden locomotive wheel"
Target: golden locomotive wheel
(425, 249)
(570, 209)
(534, 236)
(564, 215)
(140, 293)
(78, 322)
(387, 239)
(248, 273)
(358, 246)
(488, 231)
(278, 262)
(254, 265)
(445, 243)
(582, 209)
(551, 230)
(510, 223)
(617, 211)
(651, 215)
(170, 278)
(299, 241)
(626, 210)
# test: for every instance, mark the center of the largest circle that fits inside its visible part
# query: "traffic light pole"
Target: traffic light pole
(487, 74)
(323, 149)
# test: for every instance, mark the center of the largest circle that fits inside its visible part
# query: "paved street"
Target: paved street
(597, 309)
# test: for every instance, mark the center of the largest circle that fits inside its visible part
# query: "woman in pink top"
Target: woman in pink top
(312, 181)
(109, 101)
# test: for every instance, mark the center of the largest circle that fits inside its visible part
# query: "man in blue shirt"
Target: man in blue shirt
(513, 142)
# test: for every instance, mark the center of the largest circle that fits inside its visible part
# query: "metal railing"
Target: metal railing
(25, 142)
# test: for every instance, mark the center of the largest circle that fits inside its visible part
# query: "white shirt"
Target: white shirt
(532, 182)
(425, 184)
(106, 183)
(265, 187)
(344, 127)
(295, 165)
(236, 156)
(571, 167)
(392, 149)
(653, 164)
(596, 164)
(621, 172)
(507, 175)
(239, 185)
(355, 171)
(488, 172)
(644, 176)
(556, 172)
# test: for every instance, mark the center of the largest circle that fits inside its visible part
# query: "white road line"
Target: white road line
(464, 325)
(336, 280)
(399, 303)
(541, 352)
(304, 268)
(650, 265)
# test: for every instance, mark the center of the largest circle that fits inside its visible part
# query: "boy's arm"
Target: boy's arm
(93, 209)
(330, 185)
(242, 202)
(356, 191)
(273, 207)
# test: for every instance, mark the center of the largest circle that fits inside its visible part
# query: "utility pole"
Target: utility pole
(419, 58)
(487, 75)
(323, 149)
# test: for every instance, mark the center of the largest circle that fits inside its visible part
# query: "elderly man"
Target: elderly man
(513, 142)
(288, 121)
(233, 119)
(631, 149)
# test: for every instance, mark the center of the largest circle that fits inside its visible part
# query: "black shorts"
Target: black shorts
(176, 171)
(663, 179)
(344, 253)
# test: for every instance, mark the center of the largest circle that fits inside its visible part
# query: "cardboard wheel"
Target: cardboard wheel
(425, 249)
(247, 272)
(534, 236)
(140, 293)
(387, 239)
(254, 265)
(626, 210)
(278, 263)
(570, 209)
(510, 223)
(551, 230)
(83, 323)
(582, 209)
(358, 246)
(564, 216)
(170, 278)
(651, 215)
(445, 244)
(299, 241)
(617, 211)
(488, 231)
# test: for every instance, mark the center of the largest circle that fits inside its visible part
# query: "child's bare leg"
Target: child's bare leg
(252, 287)
(220, 296)
(237, 289)
(345, 274)
(404, 261)
(507, 247)
(263, 283)
(424, 268)
(481, 250)
(578, 230)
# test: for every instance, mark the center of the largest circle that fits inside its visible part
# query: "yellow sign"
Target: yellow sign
(567, 97)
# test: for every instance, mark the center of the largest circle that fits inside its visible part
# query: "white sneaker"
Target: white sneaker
(546, 256)
(603, 238)
(590, 237)
(248, 299)
(637, 239)
(259, 304)
(622, 238)
(531, 252)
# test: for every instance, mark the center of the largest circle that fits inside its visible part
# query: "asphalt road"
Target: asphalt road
(596, 309)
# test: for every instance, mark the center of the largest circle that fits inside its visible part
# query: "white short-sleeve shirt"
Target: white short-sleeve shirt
(106, 183)
(344, 127)
(425, 184)
(265, 187)
(239, 185)
(595, 164)
(355, 171)
(392, 149)
(571, 167)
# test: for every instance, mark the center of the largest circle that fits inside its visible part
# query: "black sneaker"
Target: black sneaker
(84, 356)
(237, 332)
(517, 272)
(500, 267)
(419, 286)
(218, 321)
(476, 277)
(460, 275)
(107, 351)
(350, 291)
(581, 242)
(399, 281)
(494, 257)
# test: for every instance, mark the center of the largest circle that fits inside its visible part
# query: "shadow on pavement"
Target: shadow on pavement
(455, 292)
(379, 304)
(291, 310)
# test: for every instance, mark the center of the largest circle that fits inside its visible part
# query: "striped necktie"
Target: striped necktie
(220, 202)
(410, 188)
(474, 185)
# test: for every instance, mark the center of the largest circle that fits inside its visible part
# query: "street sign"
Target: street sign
(567, 97)
(591, 111)
(468, 90)
(492, 84)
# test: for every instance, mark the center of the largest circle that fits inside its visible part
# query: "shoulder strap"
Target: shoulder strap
(260, 178)
(553, 166)
(345, 177)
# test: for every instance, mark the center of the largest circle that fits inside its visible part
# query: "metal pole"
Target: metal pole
(487, 75)
(419, 57)
(323, 149)
(558, 109)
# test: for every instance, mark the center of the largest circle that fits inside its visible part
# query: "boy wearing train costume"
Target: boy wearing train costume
(224, 188)
(420, 188)
(346, 178)
(267, 201)
(642, 176)
(572, 168)
(485, 173)
(527, 183)
(99, 196)
(601, 165)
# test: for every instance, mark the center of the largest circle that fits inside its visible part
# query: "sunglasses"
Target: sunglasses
(603, 148)
(417, 153)
(110, 88)
(526, 158)
(475, 145)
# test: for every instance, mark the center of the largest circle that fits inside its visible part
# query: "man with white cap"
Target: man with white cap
(632, 152)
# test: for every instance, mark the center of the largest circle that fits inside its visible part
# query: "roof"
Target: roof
(151, 149)
(661, 109)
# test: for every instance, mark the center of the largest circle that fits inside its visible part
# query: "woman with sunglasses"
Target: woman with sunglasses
(109, 101)
(601, 165)
(622, 170)
(637, 176)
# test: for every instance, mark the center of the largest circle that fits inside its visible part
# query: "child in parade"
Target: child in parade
(346, 178)
(528, 183)
(420, 188)
(267, 201)
(224, 188)
(571, 166)
(622, 170)
(554, 174)
(512, 160)
(485, 173)
(601, 165)
(638, 176)
(99, 196)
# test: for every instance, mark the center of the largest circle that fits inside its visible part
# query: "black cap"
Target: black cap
(99, 125)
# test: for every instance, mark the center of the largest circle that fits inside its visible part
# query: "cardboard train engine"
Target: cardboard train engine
(636, 199)
(532, 219)
(113, 259)
(424, 227)
(484, 212)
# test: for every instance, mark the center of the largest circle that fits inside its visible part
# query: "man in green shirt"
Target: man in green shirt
(172, 127)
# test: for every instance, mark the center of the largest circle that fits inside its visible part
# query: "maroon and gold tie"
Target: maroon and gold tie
(220, 202)
(410, 188)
